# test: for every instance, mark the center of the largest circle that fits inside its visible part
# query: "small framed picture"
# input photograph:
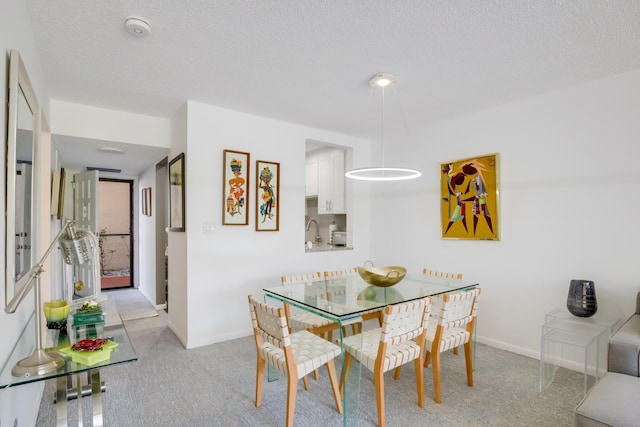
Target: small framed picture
(143, 201)
(267, 196)
(146, 201)
(176, 193)
(235, 182)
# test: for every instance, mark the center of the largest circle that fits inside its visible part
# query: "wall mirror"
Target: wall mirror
(20, 191)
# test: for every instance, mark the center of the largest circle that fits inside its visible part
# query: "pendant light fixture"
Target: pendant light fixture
(383, 173)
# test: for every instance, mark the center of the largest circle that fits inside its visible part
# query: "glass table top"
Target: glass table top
(349, 297)
(113, 329)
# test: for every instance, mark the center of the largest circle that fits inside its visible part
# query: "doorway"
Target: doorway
(115, 219)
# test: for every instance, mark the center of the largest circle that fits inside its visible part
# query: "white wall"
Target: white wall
(20, 403)
(568, 201)
(177, 282)
(223, 268)
(84, 121)
(147, 238)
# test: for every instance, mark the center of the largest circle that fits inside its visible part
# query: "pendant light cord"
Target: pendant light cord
(382, 129)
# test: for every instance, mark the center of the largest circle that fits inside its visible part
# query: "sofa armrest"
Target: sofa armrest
(624, 348)
(638, 303)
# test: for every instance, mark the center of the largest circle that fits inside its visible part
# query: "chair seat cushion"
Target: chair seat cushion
(307, 320)
(611, 402)
(367, 350)
(309, 353)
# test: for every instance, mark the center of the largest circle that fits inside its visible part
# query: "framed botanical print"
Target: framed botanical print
(267, 196)
(176, 193)
(235, 182)
(469, 203)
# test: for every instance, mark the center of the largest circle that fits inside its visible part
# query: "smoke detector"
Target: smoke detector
(137, 26)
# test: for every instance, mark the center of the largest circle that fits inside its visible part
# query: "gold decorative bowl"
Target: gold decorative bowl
(382, 276)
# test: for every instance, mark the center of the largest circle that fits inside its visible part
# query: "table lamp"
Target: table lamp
(79, 247)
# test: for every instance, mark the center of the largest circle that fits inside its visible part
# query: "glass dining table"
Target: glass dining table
(344, 301)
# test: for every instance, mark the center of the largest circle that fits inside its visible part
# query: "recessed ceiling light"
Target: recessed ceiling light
(113, 150)
(137, 26)
(382, 79)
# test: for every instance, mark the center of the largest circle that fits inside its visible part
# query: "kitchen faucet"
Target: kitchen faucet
(317, 236)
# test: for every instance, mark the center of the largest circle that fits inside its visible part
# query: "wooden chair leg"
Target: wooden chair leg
(316, 374)
(292, 389)
(331, 369)
(378, 382)
(259, 380)
(435, 368)
(427, 359)
(468, 358)
(344, 376)
(419, 381)
(455, 350)
(396, 373)
(305, 381)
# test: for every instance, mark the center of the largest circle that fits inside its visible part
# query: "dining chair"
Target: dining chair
(428, 272)
(452, 321)
(292, 354)
(302, 320)
(400, 340)
(365, 315)
(454, 276)
(305, 320)
(336, 274)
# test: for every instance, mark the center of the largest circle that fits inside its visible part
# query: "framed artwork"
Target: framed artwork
(176, 193)
(267, 196)
(143, 201)
(470, 198)
(57, 194)
(235, 182)
(146, 201)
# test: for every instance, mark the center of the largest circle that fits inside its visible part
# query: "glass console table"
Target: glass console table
(566, 337)
(343, 300)
(72, 372)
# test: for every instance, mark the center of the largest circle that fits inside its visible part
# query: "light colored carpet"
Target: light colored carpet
(132, 304)
(214, 385)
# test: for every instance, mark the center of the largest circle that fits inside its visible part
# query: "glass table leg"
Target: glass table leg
(351, 394)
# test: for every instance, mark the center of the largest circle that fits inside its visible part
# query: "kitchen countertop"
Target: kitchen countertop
(323, 247)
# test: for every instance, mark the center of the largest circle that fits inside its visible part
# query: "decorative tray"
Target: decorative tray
(91, 357)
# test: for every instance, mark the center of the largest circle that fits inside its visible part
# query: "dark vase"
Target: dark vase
(582, 301)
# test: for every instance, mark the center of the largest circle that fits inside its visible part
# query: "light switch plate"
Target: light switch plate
(209, 227)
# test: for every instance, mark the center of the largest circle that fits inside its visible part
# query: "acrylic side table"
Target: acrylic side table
(567, 339)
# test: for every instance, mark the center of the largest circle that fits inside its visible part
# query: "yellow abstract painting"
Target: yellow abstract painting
(470, 198)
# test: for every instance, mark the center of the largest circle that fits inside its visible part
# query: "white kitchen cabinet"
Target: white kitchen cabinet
(311, 173)
(331, 182)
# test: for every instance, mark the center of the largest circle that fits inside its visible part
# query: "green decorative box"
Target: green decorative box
(90, 358)
(80, 319)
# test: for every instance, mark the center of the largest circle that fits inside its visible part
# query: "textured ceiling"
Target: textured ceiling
(309, 62)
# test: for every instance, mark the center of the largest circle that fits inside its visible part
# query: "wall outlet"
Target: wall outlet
(209, 227)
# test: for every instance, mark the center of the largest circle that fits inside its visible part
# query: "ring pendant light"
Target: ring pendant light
(383, 173)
